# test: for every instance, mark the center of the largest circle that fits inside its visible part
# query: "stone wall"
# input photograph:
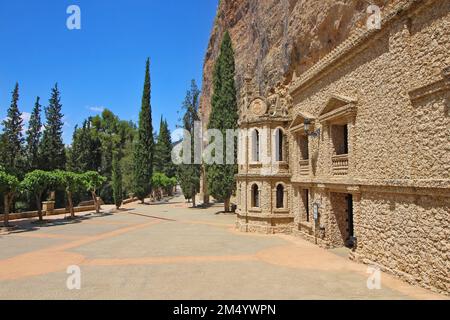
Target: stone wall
(34, 214)
(395, 138)
(406, 235)
(399, 149)
(391, 88)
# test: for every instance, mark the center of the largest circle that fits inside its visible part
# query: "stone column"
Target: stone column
(97, 204)
(48, 207)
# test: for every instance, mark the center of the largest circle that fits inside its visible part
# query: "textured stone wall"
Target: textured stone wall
(394, 138)
(273, 39)
(399, 155)
(407, 235)
(392, 88)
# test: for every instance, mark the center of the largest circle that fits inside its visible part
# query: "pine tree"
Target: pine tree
(224, 115)
(189, 174)
(52, 150)
(85, 152)
(143, 150)
(117, 181)
(163, 151)
(13, 138)
(34, 137)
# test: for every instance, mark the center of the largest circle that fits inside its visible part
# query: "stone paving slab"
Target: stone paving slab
(16, 245)
(170, 251)
(175, 239)
(211, 280)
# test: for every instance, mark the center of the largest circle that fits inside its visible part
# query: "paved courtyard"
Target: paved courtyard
(169, 251)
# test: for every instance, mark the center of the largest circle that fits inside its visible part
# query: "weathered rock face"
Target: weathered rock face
(273, 39)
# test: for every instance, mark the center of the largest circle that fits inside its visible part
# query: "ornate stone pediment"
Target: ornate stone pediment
(298, 124)
(338, 107)
(272, 107)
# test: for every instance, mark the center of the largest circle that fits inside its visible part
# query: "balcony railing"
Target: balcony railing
(340, 165)
(304, 167)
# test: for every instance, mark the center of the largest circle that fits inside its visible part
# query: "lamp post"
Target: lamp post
(316, 207)
(309, 127)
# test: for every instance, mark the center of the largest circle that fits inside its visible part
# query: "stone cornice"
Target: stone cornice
(298, 124)
(432, 88)
(265, 216)
(265, 120)
(345, 111)
(263, 177)
(420, 187)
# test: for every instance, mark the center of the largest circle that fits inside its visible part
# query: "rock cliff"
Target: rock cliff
(275, 39)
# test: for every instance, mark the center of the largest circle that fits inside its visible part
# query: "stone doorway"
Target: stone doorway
(342, 227)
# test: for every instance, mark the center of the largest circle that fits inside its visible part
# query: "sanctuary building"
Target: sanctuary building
(355, 152)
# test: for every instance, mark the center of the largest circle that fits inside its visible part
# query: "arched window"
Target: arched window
(280, 196)
(279, 145)
(255, 145)
(255, 196)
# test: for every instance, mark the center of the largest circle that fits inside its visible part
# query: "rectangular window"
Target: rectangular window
(303, 147)
(339, 135)
(307, 204)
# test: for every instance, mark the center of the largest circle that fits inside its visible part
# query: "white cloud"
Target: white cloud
(97, 108)
(177, 135)
(66, 122)
(26, 116)
(25, 120)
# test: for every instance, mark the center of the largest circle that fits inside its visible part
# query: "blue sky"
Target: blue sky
(102, 65)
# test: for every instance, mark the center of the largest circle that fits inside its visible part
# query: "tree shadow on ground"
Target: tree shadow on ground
(30, 225)
(225, 213)
(205, 205)
(115, 210)
(151, 217)
(160, 203)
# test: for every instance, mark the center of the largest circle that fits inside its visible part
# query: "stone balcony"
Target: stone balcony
(304, 167)
(340, 165)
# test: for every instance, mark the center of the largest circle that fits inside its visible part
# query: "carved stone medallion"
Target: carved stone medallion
(258, 107)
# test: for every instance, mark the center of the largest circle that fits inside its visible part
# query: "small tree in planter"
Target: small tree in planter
(172, 183)
(159, 182)
(92, 182)
(71, 183)
(8, 186)
(37, 182)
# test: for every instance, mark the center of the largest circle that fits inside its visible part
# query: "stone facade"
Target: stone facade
(372, 170)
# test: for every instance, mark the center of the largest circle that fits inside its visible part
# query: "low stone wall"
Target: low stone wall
(34, 214)
(127, 201)
(270, 224)
(90, 203)
(53, 212)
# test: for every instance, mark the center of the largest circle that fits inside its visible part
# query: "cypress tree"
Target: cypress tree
(117, 181)
(163, 151)
(34, 137)
(143, 149)
(52, 150)
(13, 138)
(189, 174)
(224, 115)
